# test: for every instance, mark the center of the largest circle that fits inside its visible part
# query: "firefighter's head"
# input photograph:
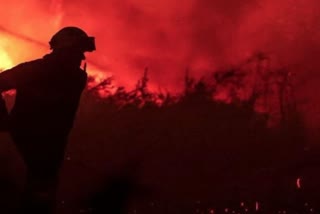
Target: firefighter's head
(72, 38)
(72, 43)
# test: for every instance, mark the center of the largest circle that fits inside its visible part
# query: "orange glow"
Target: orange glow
(5, 61)
(168, 37)
(131, 34)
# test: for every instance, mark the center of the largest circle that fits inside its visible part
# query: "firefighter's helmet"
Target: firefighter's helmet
(72, 38)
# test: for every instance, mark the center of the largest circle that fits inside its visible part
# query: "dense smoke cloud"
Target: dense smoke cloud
(169, 36)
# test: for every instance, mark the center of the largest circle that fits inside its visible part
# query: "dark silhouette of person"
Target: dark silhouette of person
(47, 97)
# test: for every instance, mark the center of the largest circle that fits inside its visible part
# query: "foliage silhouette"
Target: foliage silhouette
(197, 146)
(234, 136)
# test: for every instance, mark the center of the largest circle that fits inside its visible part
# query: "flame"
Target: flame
(5, 63)
(5, 60)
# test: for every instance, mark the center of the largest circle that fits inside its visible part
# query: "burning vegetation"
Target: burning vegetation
(231, 142)
(253, 85)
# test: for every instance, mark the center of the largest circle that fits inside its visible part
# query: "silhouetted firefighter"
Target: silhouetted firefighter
(47, 97)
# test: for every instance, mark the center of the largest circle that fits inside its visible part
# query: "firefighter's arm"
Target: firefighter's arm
(12, 78)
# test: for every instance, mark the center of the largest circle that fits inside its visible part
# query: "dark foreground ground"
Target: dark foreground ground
(191, 156)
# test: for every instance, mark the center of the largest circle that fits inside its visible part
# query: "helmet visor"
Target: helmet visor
(89, 44)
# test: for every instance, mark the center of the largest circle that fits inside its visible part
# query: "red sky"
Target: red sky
(169, 36)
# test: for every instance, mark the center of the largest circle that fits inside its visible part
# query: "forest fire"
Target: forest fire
(238, 83)
(195, 94)
(202, 36)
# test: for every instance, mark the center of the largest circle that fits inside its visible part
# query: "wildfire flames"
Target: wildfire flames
(5, 60)
(169, 37)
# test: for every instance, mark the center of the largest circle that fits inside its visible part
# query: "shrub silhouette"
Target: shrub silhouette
(196, 146)
(234, 136)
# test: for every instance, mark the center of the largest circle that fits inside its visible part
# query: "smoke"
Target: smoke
(202, 35)
(169, 36)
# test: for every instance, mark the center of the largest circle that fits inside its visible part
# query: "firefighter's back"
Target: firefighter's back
(47, 100)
